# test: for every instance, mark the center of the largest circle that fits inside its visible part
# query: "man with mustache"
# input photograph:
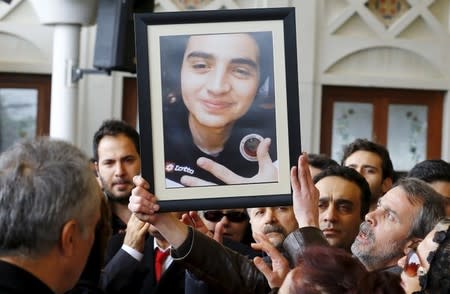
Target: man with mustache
(403, 217)
(228, 271)
(117, 160)
(275, 223)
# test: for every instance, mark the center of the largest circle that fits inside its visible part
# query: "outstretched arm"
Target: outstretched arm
(195, 249)
(267, 172)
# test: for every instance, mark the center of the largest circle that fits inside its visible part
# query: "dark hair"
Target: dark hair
(330, 269)
(353, 176)
(431, 170)
(113, 128)
(172, 50)
(321, 161)
(366, 145)
(333, 270)
(380, 282)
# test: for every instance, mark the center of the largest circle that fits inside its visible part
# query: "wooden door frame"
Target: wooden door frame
(381, 98)
(42, 83)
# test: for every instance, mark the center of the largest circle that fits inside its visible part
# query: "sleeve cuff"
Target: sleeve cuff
(133, 252)
(185, 248)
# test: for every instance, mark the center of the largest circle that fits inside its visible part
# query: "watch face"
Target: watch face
(249, 145)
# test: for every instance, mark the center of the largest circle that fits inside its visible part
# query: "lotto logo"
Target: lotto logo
(171, 167)
(185, 169)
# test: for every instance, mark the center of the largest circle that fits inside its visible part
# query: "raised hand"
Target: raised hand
(268, 171)
(143, 205)
(276, 274)
(142, 202)
(193, 219)
(135, 233)
(305, 196)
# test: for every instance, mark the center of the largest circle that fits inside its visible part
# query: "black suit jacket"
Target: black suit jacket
(15, 280)
(124, 274)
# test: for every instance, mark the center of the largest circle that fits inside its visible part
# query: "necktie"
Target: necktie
(160, 257)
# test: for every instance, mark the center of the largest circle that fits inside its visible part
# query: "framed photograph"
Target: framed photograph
(218, 107)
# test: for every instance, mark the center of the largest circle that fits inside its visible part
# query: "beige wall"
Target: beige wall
(338, 42)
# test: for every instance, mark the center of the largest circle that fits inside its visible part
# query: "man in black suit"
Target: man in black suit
(131, 263)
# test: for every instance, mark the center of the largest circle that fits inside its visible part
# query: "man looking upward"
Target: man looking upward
(403, 217)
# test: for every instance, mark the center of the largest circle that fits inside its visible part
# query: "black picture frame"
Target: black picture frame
(152, 29)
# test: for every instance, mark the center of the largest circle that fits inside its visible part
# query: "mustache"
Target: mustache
(366, 229)
(274, 229)
(121, 182)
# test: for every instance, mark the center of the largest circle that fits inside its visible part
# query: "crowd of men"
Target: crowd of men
(60, 235)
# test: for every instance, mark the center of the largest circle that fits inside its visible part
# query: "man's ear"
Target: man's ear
(96, 168)
(97, 175)
(386, 185)
(68, 237)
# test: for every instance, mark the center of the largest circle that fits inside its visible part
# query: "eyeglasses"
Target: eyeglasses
(232, 216)
(412, 265)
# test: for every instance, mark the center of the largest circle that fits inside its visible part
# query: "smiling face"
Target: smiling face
(339, 210)
(384, 235)
(219, 78)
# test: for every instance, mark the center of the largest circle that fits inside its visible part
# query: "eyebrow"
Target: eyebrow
(368, 165)
(239, 60)
(387, 209)
(337, 201)
(349, 203)
(363, 166)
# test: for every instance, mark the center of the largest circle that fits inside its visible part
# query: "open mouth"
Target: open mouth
(362, 236)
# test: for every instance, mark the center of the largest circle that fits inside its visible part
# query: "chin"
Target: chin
(276, 241)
